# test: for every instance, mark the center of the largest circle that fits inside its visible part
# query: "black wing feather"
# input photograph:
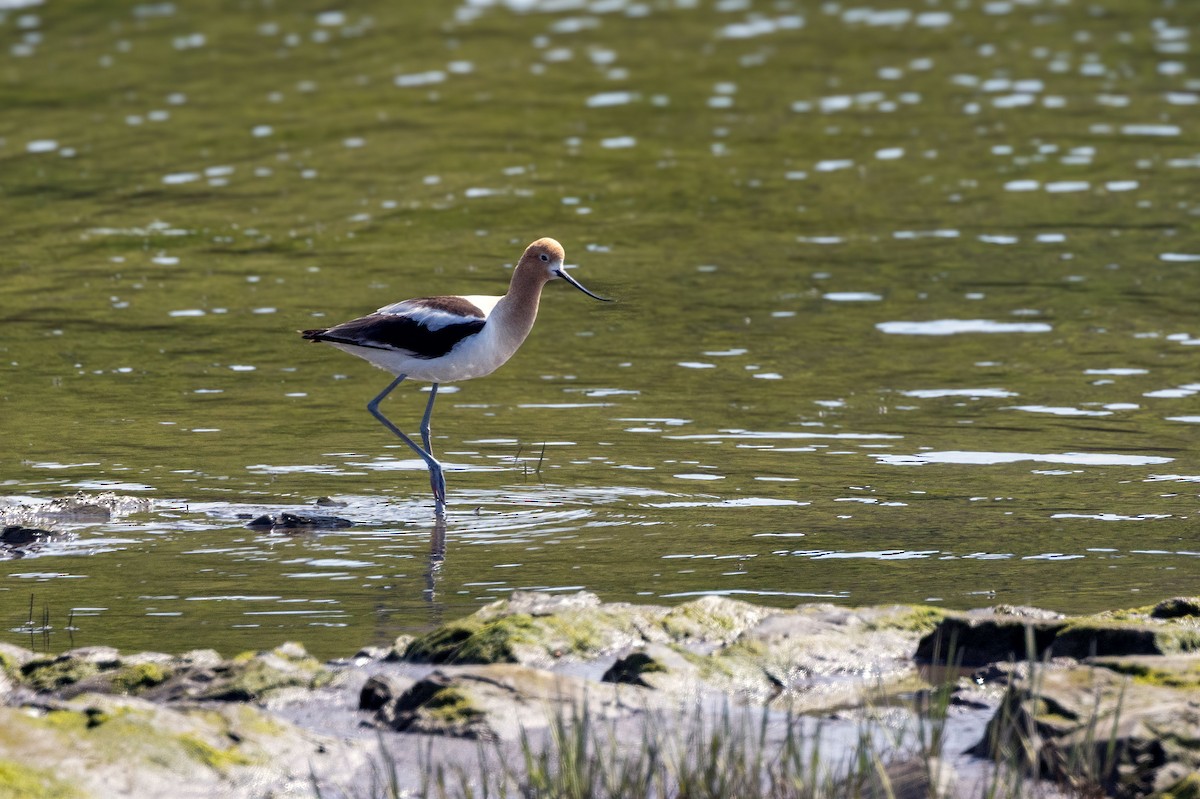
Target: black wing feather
(394, 332)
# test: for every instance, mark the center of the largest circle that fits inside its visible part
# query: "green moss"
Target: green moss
(255, 679)
(9, 665)
(213, 757)
(451, 706)
(916, 618)
(140, 676)
(1147, 674)
(243, 720)
(50, 675)
(1181, 639)
(702, 619)
(473, 641)
(22, 782)
(67, 720)
(747, 650)
(726, 664)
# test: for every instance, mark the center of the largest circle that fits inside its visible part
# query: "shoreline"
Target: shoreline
(485, 688)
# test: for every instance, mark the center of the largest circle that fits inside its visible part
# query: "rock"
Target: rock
(437, 706)
(980, 638)
(1097, 638)
(501, 701)
(14, 535)
(252, 676)
(201, 674)
(1179, 607)
(914, 778)
(536, 603)
(138, 676)
(655, 666)
(291, 521)
(818, 656)
(809, 656)
(122, 746)
(13, 657)
(380, 689)
(1172, 671)
(56, 673)
(541, 632)
(296, 521)
(399, 647)
(197, 724)
(1095, 725)
(104, 657)
(368, 653)
(201, 658)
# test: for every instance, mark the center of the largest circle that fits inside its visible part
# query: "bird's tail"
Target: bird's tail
(314, 335)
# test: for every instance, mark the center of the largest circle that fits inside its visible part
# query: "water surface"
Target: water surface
(906, 307)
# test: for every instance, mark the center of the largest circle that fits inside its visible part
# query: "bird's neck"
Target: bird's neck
(517, 310)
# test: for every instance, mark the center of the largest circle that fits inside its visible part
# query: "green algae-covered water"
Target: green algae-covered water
(906, 307)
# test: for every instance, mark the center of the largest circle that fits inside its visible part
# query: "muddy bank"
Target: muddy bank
(1112, 700)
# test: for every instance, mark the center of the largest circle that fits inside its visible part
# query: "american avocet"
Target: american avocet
(445, 339)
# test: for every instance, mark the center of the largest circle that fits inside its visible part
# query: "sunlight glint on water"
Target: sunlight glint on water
(906, 309)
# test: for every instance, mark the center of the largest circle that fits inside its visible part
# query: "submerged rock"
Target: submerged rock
(15, 535)
(295, 521)
(17, 541)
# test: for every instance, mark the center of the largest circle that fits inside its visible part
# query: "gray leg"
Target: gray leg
(436, 480)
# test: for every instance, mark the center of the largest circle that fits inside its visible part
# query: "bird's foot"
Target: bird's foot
(437, 482)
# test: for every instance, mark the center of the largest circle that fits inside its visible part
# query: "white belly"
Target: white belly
(475, 356)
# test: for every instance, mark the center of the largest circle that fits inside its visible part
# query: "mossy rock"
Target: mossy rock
(19, 781)
(906, 618)
(220, 760)
(253, 680)
(1177, 608)
(1093, 725)
(1099, 638)
(539, 631)
(1178, 671)
(979, 639)
(520, 638)
(137, 677)
(659, 666)
(52, 674)
(633, 668)
(471, 640)
(435, 706)
(711, 618)
(12, 658)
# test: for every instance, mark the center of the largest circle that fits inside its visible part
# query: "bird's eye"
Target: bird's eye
(544, 257)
